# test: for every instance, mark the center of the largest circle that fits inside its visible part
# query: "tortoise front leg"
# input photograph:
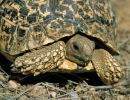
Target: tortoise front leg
(107, 68)
(41, 60)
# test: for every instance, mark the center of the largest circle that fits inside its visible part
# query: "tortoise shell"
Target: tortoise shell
(29, 24)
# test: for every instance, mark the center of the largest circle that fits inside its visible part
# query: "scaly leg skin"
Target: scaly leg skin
(107, 68)
(41, 60)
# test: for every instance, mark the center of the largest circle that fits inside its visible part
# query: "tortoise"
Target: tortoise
(39, 36)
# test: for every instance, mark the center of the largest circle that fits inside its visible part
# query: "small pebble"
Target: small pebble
(38, 91)
(53, 94)
(13, 84)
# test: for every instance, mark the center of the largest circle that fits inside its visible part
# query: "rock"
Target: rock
(13, 84)
(39, 91)
(53, 94)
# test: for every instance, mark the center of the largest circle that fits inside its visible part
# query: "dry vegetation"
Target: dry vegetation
(72, 86)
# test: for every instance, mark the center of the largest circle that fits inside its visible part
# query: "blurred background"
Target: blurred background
(122, 10)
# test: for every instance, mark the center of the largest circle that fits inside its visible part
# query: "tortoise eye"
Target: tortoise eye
(75, 47)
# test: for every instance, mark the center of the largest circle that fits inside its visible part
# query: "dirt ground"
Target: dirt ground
(78, 87)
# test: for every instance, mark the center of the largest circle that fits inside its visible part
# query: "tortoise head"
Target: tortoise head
(80, 49)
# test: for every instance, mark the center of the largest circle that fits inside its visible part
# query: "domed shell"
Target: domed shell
(28, 24)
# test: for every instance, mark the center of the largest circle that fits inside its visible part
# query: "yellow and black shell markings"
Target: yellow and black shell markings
(28, 24)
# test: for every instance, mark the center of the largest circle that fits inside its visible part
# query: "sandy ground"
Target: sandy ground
(77, 87)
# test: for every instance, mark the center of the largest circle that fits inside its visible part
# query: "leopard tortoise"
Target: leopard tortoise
(39, 36)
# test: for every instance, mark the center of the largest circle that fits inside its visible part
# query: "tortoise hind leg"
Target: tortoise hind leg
(107, 68)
